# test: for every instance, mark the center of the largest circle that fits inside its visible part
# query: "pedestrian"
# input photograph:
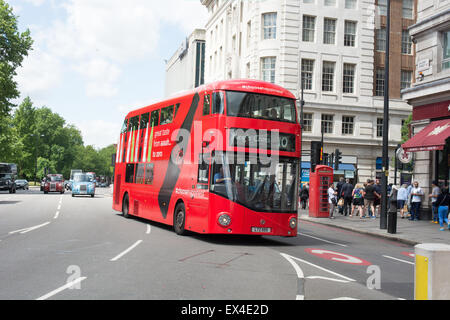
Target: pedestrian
(304, 195)
(339, 186)
(377, 199)
(416, 200)
(332, 200)
(402, 197)
(435, 191)
(369, 198)
(347, 194)
(358, 200)
(443, 201)
(408, 202)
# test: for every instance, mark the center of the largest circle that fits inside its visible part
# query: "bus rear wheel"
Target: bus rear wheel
(125, 207)
(179, 219)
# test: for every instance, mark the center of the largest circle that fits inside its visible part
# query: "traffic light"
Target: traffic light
(338, 159)
(316, 154)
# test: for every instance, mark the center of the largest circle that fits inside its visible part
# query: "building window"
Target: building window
(350, 4)
(327, 123)
(329, 31)
(379, 82)
(408, 9)
(307, 122)
(330, 2)
(379, 127)
(328, 76)
(308, 1)
(349, 33)
(382, 7)
(406, 77)
(349, 78)
(309, 24)
(446, 50)
(249, 33)
(268, 69)
(348, 124)
(307, 73)
(406, 42)
(381, 39)
(269, 25)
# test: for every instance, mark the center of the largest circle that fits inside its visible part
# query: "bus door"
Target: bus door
(199, 195)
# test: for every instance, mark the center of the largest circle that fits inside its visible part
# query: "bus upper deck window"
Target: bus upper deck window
(124, 126)
(218, 105)
(154, 118)
(166, 115)
(206, 104)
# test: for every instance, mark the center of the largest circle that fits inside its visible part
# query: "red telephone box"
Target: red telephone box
(319, 182)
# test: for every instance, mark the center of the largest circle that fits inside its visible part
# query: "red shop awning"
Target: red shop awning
(432, 137)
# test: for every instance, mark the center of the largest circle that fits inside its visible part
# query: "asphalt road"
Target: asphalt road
(58, 247)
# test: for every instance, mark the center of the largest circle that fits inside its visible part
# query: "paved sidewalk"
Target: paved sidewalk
(410, 232)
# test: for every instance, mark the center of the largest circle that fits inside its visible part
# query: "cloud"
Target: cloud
(99, 133)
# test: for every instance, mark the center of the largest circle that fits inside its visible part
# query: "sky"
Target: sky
(95, 60)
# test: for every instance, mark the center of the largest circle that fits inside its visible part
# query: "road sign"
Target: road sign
(403, 156)
(337, 256)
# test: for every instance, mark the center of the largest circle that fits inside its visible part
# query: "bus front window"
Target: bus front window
(260, 187)
(260, 106)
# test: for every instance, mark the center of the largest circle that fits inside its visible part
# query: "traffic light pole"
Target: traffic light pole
(385, 176)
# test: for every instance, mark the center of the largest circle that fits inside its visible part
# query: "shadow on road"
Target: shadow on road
(9, 202)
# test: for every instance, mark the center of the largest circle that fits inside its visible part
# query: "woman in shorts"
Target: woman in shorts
(358, 201)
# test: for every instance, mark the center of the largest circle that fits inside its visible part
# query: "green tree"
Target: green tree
(14, 46)
(406, 129)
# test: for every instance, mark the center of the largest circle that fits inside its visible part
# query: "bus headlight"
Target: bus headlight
(224, 220)
(293, 223)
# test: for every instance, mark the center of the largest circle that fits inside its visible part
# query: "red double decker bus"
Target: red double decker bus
(220, 159)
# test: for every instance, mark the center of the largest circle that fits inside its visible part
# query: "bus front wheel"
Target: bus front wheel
(179, 219)
(125, 207)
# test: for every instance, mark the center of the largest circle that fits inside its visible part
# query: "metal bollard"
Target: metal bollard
(431, 272)
(392, 212)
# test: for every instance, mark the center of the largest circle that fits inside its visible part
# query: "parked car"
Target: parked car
(54, 183)
(8, 174)
(83, 184)
(22, 184)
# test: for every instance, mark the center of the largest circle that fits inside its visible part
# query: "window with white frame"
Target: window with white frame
(329, 31)
(350, 4)
(268, 69)
(307, 73)
(307, 122)
(330, 2)
(382, 7)
(408, 9)
(379, 82)
(446, 50)
(308, 1)
(309, 25)
(379, 127)
(349, 33)
(381, 39)
(348, 124)
(327, 123)
(349, 78)
(405, 81)
(269, 25)
(328, 76)
(249, 33)
(406, 42)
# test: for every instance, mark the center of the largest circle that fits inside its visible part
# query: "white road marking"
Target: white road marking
(59, 207)
(66, 286)
(326, 278)
(344, 298)
(126, 251)
(25, 230)
(408, 262)
(149, 229)
(339, 244)
(56, 215)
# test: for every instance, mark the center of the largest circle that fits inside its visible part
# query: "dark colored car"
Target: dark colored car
(7, 183)
(22, 184)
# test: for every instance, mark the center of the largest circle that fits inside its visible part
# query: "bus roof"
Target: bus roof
(246, 85)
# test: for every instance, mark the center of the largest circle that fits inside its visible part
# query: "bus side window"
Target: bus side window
(206, 104)
(217, 107)
(166, 115)
(154, 118)
(129, 173)
(140, 168)
(149, 173)
(124, 126)
(144, 120)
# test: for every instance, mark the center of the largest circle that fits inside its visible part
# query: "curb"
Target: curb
(375, 234)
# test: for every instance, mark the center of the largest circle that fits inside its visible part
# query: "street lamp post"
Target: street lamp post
(384, 178)
(36, 158)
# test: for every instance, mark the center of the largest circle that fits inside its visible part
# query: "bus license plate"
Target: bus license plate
(261, 230)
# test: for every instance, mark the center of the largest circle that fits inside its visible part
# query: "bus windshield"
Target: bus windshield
(260, 106)
(257, 185)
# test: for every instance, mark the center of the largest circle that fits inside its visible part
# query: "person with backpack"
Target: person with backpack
(347, 191)
(443, 201)
(358, 200)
